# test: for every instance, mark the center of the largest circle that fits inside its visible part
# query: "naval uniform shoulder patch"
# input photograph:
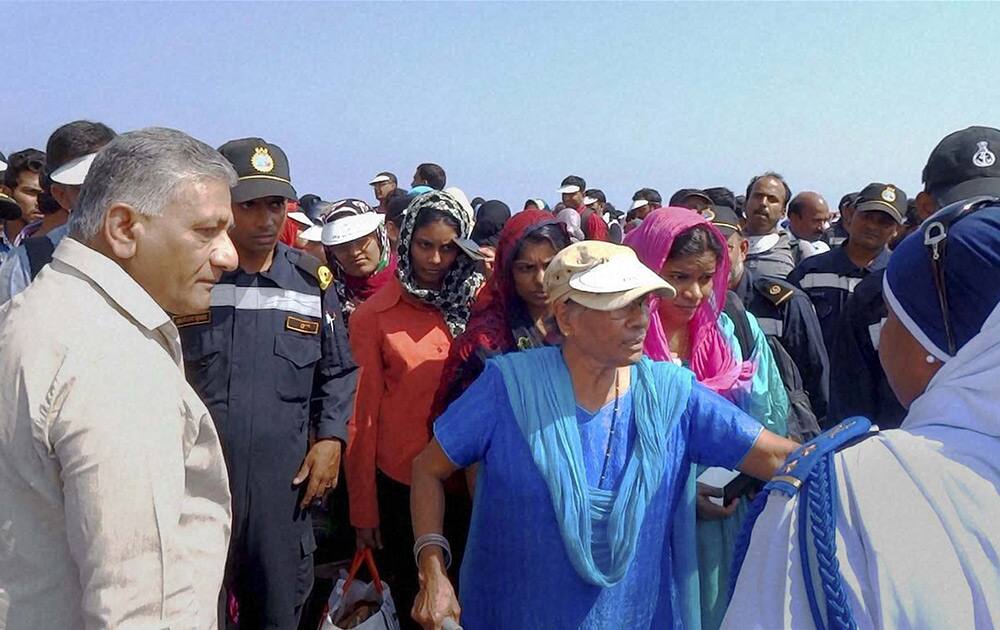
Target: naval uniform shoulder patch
(777, 293)
(307, 326)
(182, 321)
(325, 277)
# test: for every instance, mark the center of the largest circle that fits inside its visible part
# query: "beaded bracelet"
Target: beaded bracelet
(428, 540)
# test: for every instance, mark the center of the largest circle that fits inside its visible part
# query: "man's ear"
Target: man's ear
(744, 248)
(121, 229)
(6, 190)
(926, 205)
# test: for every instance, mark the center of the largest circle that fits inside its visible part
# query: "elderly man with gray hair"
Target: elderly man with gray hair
(114, 499)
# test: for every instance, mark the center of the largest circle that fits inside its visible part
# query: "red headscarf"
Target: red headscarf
(489, 327)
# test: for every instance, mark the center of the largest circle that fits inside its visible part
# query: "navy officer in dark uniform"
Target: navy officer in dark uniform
(830, 278)
(272, 363)
(781, 309)
(958, 168)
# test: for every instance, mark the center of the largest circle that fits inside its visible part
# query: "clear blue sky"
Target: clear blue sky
(511, 97)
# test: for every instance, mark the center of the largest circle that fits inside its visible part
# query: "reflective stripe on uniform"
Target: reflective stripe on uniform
(266, 298)
(829, 281)
(771, 326)
(875, 331)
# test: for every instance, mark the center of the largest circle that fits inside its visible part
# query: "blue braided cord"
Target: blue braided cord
(807, 574)
(822, 488)
(743, 542)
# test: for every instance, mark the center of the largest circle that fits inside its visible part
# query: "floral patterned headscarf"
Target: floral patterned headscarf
(461, 284)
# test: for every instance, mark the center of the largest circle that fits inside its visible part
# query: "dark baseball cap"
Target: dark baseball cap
(885, 198)
(261, 168)
(684, 193)
(847, 201)
(724, 218)
(964, 164)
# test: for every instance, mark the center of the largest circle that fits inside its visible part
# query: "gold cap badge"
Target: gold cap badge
(889, 194)
(262, 162)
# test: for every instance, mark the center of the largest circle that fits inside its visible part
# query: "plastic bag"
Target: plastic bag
(357, 605)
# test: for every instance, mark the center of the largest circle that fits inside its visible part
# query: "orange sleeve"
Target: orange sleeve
(363, 442)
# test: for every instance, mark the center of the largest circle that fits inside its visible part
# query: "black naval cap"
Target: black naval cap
(9, 209)
(724, 218)
(678, 197)
(261, 168)
(882, 198)
(964, 164)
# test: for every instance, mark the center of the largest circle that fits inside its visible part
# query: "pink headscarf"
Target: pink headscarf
(711, 359)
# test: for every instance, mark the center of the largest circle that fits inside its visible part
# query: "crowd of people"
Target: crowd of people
(732, 410)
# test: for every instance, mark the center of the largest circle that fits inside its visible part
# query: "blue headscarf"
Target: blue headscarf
(971, 281)
(965, 392)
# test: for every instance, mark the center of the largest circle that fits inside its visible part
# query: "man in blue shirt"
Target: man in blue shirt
(830, 278)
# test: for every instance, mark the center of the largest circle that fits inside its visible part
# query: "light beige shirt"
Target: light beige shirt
(114, 499)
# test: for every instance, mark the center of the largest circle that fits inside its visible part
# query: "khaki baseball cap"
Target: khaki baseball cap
(601, 276)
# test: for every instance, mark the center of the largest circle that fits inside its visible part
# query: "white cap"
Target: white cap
(312, 234)
(379, 179)
(588, 200)
(601, 276)
(349, 227)
(570, 189)
(73, 173)
(3, 166)
(300, 218)
(639, 203)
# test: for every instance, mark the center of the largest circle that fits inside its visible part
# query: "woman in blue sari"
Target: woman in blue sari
(584, 506)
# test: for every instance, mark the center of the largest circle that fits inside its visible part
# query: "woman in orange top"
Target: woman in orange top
(400, 338)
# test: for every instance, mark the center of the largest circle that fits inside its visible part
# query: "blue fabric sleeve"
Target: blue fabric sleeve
(719, 432)
(466, 427)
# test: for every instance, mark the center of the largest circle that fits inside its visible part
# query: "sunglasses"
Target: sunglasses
(935, 231)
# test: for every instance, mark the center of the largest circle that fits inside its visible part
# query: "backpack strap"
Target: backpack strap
(737, 312)
(39, 250)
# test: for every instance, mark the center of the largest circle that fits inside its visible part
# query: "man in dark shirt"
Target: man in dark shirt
(781, 309)
(831, 278)
(272, 364)
(962, 165)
